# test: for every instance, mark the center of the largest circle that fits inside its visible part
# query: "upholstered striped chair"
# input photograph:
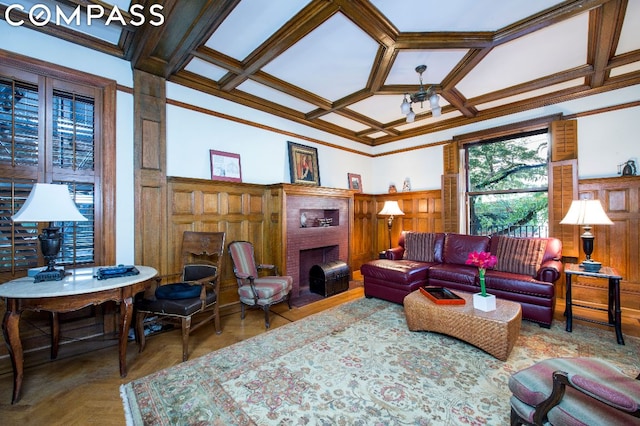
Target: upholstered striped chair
(574, 391)
(255, 290)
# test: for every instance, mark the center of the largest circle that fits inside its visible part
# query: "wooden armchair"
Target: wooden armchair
(563, 391)
(197, 291)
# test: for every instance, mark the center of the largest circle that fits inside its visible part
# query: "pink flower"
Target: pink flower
(482, 259)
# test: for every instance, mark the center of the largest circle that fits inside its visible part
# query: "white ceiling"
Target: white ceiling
(344, 65)
(336, 58)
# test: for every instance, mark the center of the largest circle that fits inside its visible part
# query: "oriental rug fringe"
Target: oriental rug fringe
(356, 364)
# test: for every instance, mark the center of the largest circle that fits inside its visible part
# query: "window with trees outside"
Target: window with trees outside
(507, 185)
(49, 130)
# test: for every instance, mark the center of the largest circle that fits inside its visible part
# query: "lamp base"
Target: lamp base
(47, 275)
(591, 265)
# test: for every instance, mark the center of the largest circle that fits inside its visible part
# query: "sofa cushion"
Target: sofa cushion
(520, 255)
(458, 246)
(453, 274)
(419, 246)
(403, 272)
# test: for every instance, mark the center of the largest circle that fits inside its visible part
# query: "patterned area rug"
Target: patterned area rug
(356, 364)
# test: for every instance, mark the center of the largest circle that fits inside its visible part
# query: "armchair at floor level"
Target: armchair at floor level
(574, 391)
(253, 289)
(197, 292)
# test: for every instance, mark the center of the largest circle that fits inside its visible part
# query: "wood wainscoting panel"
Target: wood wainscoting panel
(237, 209)
(422, 213)
(616, 245)
(211, 202)
(364, 230)
(182, 203)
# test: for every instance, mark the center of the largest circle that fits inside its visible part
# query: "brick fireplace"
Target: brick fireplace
(323, 238)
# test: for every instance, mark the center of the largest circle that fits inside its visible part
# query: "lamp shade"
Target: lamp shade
(405, 107)
(391, 208)
(48, 203)
(586, 212)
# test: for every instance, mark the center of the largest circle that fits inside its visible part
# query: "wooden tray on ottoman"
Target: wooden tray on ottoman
(495, 332)
(442, 296)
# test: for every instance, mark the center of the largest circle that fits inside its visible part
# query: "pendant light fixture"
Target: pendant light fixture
(421, 96)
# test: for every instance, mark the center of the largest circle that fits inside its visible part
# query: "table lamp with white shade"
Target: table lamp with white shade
(587, 213)
(49, 203)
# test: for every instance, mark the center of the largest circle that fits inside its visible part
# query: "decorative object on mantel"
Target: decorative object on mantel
(420, 96)
(303, 220)
(406, 186)
(355, 182)
(627, 169)
(325, 221)
(587, 213)
(483, 260)
(391, 209)
(51, 203)
(303, 164)
(225, 166)
(392, 189)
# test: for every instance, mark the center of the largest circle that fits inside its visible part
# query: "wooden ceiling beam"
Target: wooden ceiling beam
(186, 26)
(308, 19)
(553, 15)
(455, 98)
(340, 104)
(605, 25)
(579, 72)
(192, 81)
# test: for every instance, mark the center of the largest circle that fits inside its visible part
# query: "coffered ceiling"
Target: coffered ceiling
(343, 66)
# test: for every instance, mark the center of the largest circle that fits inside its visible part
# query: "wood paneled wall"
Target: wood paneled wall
(617, 245)
(422, 212)
(364, 232)
(239, 210)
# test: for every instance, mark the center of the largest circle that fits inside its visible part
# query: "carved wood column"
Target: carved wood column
(150, 170)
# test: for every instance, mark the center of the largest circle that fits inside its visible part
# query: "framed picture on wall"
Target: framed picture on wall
(303, 162)
(355, 182)
(225, 166)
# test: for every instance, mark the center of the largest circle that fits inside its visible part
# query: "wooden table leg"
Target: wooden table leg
(11, 331)
(55, 334)
(615, 283)
(568, 309)
(126, 312)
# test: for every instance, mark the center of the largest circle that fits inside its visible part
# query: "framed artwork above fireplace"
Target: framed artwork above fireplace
(303, 162)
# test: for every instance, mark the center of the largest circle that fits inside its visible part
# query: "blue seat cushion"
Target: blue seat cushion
(178, 291)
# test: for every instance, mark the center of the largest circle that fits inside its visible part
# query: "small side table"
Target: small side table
(613, 309)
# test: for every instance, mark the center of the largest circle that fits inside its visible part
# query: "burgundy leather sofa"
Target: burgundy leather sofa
(396, 276)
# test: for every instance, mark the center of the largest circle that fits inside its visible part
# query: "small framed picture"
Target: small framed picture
(355, 182)
(225, 166)
(303, 162)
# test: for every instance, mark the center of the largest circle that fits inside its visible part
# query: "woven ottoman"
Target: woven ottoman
(494, 332)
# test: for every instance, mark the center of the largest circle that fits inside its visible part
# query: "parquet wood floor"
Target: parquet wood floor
(82, 387)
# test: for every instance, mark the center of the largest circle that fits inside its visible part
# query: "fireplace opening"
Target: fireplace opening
(315, 256)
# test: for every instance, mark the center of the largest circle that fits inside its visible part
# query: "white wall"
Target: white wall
(263, 153)
(605, 140)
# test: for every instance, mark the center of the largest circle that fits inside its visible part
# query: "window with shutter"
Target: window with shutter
(47, 134)
(508, 184)
(19, 123)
